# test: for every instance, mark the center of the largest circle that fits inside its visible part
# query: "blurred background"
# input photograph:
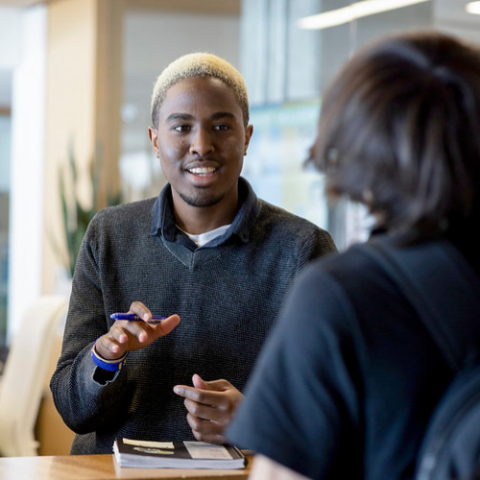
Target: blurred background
(76, 78)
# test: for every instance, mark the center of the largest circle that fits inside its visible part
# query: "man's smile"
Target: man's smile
(201, 171)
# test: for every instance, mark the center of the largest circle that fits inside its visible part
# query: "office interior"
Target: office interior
(75, 83)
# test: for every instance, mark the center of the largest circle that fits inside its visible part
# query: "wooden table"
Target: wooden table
(100, 467)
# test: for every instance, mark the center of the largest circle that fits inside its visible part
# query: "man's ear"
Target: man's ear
(248, 136)
(153, 136)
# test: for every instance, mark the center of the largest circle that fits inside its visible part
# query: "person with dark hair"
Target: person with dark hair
(206, 250)
(350, 376)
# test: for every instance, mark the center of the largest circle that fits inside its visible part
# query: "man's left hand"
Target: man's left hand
(210, 407)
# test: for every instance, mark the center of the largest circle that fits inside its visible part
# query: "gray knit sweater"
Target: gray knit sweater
(227, 294)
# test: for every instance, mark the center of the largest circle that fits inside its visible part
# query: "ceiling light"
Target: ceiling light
(473, 7)
(354, 11)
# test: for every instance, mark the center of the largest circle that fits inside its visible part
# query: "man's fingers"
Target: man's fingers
(216, 413)
(218, 385)
(116, 334)
(211, 395)
(205, 431)
(188, 392)
(138, 308)
(147, 333)
(124, 335)
(166, 326)
(214, 385)
(123, 330)
(107, 347)
(210, 406)
(198, 382)
(205, 397)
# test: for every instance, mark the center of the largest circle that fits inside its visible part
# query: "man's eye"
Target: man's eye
(222, 127)
(182, 128)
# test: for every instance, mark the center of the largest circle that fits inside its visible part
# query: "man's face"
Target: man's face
(201, 141)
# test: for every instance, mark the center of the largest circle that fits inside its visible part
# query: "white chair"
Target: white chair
(23, 380)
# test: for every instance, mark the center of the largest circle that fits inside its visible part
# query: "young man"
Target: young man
(206, 250)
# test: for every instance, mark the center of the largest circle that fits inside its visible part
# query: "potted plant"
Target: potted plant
(75, 215)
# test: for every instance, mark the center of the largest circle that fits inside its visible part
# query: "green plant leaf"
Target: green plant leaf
(75, 216)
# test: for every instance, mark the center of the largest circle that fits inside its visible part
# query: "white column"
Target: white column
(28, 152)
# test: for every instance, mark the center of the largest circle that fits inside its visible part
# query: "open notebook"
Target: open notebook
(148, 454)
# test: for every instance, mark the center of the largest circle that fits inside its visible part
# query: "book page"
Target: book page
(204, 450)
(147, 443)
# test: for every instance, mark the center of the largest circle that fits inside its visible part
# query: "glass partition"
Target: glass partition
(287, 55)
(5, 142)
(313, 48)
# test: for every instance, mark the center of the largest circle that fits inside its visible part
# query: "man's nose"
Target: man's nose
(201, 142)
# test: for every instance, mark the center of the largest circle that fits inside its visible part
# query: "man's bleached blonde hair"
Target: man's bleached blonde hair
(199, 65)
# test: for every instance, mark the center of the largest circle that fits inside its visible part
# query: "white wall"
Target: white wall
(10, 36)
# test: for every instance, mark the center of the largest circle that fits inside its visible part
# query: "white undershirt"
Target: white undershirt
(203, 238)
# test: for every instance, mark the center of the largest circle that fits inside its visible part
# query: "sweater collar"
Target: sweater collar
(164, 224)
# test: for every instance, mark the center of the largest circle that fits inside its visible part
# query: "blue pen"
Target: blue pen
(132, 317)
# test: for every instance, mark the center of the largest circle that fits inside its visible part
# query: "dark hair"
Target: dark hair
(400, 131)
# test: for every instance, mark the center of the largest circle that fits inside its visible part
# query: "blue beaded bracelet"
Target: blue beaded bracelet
(110, 365)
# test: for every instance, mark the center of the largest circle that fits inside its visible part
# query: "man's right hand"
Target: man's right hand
(125, 335)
